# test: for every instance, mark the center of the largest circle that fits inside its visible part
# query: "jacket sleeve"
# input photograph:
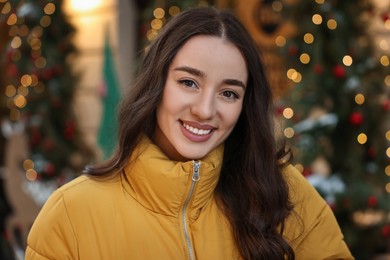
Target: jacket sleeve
(312, 228)
(52, 235)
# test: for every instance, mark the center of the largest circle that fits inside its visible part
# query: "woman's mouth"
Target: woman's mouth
(196, 131)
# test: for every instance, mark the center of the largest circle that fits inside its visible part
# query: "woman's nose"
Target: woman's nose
(204, 107)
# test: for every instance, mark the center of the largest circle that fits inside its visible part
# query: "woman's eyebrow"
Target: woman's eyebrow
(198, 73)
(235, 82)
(190, 70)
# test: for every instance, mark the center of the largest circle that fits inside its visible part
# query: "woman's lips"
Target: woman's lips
(196, 132)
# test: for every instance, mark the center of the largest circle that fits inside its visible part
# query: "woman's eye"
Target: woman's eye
(230, 94)
(187, 83)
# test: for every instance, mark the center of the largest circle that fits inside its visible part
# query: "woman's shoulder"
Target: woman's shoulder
(299, 188)
(86, 187)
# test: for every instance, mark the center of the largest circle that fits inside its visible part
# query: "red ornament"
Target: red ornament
(339, 71)
(306, 172)
(292, 50)
(35, 137)
(372, 201)
(371, 152)
(12, 70)
(318, 69)
(386, 231)
(356, 118)
(47, 74)
(385, 17)
(49, 169)
(386, 105)
(48, 144)
(69, 130)
(279, 110)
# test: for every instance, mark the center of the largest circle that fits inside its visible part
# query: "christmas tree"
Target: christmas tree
(38, 87)
(337, 113)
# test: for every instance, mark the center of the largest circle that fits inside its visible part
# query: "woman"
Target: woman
(196, 174)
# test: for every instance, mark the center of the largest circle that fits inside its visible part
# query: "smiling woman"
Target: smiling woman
(202, 98)
(196, 174)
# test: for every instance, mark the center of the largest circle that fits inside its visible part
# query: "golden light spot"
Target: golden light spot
(320, 1)
(304, 58)
(23, 91)
(308, 38)
(347, 60)
(174, 10)
(387, 170)
(151, 34)
(289, 132)
(45, 21)
(159, 13)
(388, 152)
(383, 45)
(387, 24)
(290, 73)
(13, 31)
(277, 6)
(24, 30)
(28, 164)
(280, 41)
(6, 8)
(34, 80)
(359, 99)
(37, 31)
(10, 91)
(296, 77)
(31, 175)
(12, 19)
(288, 113)
(332, 24)
(26, 80)
(35, 44)
(20, 101)
(362, 138)
(387, 187)
(156, 24)
(387, 80)
(40, 63)
(16, 42)
(317, 19)
(49, 9)
(385, 60)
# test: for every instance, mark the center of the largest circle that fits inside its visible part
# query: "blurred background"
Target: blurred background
(65, 64)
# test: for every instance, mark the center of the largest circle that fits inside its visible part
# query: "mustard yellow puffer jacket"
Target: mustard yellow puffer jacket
(160, 209)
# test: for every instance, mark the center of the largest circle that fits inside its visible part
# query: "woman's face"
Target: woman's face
(202, 98)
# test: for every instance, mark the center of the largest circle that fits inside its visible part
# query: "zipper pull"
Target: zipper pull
(196, 175)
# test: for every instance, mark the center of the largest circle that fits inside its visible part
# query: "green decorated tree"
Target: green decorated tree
(337, 113)
(38, 85)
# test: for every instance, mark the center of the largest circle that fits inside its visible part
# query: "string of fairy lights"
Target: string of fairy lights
(159, 20)
(296, 77)
(19, 31)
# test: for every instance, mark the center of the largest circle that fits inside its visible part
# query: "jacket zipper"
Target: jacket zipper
(195, 178)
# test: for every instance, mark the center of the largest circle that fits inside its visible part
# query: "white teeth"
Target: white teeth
(196, 131)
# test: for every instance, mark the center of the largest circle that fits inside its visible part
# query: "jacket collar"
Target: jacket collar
(162, 185)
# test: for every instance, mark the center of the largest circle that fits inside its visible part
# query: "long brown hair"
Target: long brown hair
(251, 190)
